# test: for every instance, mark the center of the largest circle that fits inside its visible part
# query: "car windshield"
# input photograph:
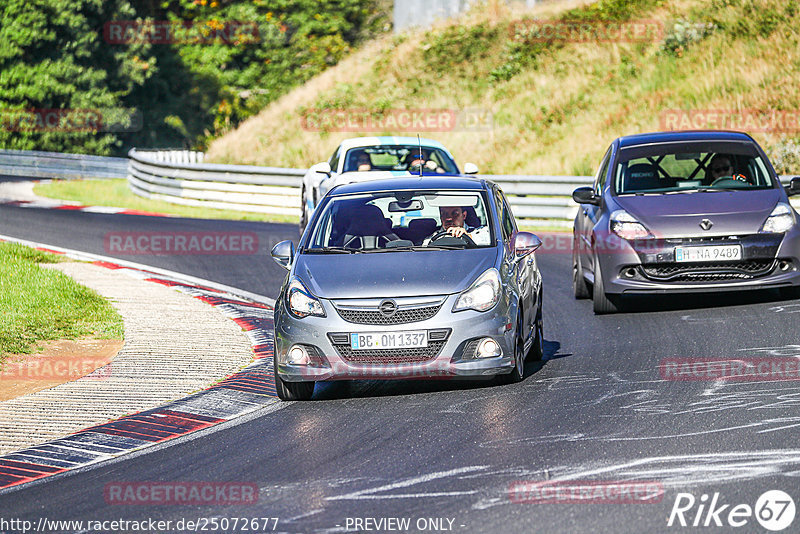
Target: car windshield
(690, 167)
(401, 221)
(399, 158)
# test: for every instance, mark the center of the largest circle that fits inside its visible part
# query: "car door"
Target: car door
(589, 214)
(521, 272)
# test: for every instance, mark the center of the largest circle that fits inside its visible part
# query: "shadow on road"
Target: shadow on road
(350, 389)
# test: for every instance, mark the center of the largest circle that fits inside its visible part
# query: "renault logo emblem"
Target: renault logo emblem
(388, 307)
(705, 224)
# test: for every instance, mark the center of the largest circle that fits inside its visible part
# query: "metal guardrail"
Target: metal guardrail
(35, 164)
(181, 177)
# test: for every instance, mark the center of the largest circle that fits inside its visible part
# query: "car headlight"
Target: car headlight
(482, 295)
(780, 220)
(627, 226)
(300, 302)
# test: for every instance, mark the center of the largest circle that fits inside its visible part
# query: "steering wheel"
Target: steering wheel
(441, 234)
(736, 179)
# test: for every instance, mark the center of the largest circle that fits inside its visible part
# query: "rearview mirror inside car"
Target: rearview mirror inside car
(283, 254)
(585, 195)
(411, 205)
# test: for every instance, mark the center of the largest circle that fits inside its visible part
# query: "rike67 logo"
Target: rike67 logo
(774, 510)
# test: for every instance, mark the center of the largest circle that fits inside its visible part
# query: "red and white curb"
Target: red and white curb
(57, 205)
(236, 395)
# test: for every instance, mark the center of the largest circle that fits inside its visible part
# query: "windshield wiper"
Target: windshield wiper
(332, 250)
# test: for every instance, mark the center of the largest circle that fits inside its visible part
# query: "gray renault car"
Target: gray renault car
(407, 278)
(684, 212)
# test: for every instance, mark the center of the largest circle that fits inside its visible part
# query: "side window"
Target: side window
(507, 225)
(600, 179)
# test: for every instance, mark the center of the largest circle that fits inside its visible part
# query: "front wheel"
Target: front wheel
(293, 391)
(519, 363)
(579, 287)
(536, 352)
(603, 302)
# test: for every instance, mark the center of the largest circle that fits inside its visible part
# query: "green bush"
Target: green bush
(53, 56)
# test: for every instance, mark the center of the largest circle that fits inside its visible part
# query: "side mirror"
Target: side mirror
(524, 243)
(323, 168)
(470, 168)
(283, 254)
(585, 195)
(794, 186)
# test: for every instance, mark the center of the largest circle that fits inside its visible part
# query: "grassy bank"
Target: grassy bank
(115, 193)
(39, 304)
(555, 106)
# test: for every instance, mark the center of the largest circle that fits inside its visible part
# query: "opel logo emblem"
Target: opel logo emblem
(705, 224)
(388, 307)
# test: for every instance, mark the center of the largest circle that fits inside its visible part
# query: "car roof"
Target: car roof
(682, 136)
(411, 183)
(355, 142)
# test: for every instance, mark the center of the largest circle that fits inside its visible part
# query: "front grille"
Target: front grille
(707, 271)
(401, 316)
(389, 356)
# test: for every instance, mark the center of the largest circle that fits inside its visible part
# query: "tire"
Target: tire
(536, 352)
(293, 391)
(517, 373)
(579, 286)
(603, 303)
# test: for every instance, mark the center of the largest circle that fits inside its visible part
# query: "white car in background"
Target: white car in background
(372, 158)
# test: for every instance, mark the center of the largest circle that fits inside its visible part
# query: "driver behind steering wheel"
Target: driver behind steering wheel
(453, 224)
(721, 166)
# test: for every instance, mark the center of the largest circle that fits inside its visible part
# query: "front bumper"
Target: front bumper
(648, 266)
(452, 360)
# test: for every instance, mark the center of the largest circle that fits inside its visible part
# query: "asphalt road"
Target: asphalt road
(597, 409)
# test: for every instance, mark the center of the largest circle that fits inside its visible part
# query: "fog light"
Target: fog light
(298, 355)
(785, 265)
(488, 348)
(630, 272)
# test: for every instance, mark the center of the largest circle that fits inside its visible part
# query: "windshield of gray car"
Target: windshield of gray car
(401, 221)
(690, 167)
(399, 158)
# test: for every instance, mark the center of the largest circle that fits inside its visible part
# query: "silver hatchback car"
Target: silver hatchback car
(407, 278)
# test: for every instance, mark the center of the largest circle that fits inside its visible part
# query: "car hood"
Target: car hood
(393, 274)
(679, 215)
